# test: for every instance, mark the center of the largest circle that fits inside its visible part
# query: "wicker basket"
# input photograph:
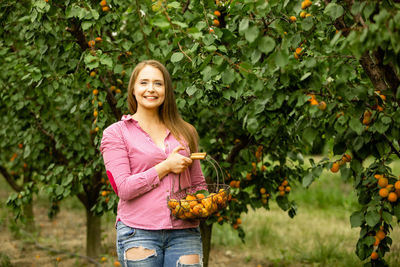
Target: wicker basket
(200, 201)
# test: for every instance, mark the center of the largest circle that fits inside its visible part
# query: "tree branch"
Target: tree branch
(10, 180)
(244, 142)
(59, 156)
(112, 101)
(391, 77)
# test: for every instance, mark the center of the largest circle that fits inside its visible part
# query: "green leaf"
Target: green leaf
(191, 90)
(309, 135)
(266, 44)
(281, 58)
(251, 34)
(243, 26)
(372, 218)
(356, 219)
(305, 76)
(307, 180)
(356, 125)
(387, 217)
(174, 5)
(228, 76)
(106, 60)
(176, 57)
(86, 25)
(334, 10)
(307, 24)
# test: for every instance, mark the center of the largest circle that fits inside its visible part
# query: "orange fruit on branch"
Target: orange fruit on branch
(383, 182)
(392, 197)
(383, 192)
(335, 167)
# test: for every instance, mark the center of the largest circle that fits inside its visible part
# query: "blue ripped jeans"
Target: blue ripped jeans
(168, 246)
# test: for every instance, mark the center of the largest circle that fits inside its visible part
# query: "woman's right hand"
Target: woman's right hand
(175, 163)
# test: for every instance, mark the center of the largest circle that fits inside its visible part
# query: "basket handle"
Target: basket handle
(199, 155)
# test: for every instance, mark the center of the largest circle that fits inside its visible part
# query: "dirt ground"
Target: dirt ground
(61, 242)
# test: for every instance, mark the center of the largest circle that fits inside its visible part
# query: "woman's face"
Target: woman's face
(149, 88)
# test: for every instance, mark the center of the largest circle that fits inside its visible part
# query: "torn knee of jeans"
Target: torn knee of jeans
(139, 253)
(190, 259)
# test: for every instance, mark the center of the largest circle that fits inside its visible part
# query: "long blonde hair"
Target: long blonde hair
(168, 111)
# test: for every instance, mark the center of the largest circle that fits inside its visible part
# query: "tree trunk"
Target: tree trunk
(206, 233)
(29, 217)
(93, 235)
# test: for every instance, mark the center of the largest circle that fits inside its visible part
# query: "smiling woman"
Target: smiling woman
(144, 154)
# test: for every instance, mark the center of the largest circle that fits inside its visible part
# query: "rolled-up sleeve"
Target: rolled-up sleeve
(117, 164)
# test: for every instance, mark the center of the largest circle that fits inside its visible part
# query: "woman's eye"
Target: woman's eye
(142, 82)
(158, 84)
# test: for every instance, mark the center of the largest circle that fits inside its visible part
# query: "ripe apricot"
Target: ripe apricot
(118, 91)
(314, 102)
(238, 221)
(308, 15)
(392, 197)
(303, 14)
(287, 189)
(378, 176)
(383, 182)
(95, 113)
(322, 105)
(282, 193)
(380, 235)
(298, 50)
(95, 92)
(98, 39)
(20, 145)
(117, 264)
(217, 13)
(91, 43)
(216, 22)
(105, 8)
(335, 167)
(285, 183)
(281, 188)
(211, 30)
(263, 190)
(248, 176)
(237, 184)
(293, 18)
(374, 255)
(347, 157)
(397, 185)
(103, 3)
(92, 74)
(383, 192)
(232, 184)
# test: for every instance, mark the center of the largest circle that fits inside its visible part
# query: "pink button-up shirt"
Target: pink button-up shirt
(129, 156)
